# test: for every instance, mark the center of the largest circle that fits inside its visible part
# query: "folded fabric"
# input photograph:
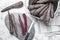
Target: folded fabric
(43, 9)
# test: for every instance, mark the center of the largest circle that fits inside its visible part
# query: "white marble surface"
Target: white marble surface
(4, 33)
